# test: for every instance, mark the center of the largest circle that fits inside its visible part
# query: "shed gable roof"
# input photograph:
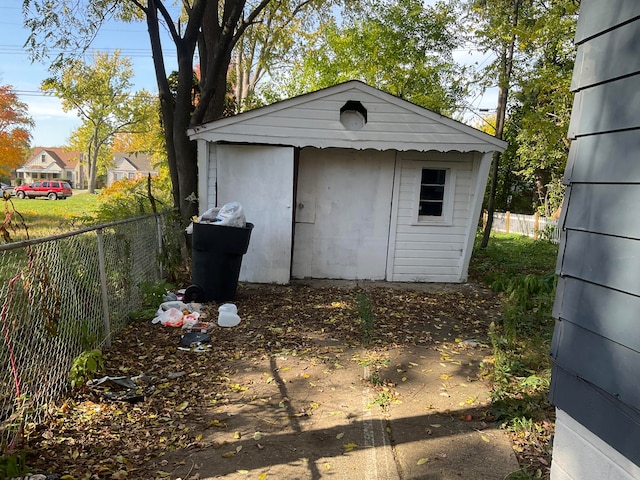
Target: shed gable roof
(313, 119)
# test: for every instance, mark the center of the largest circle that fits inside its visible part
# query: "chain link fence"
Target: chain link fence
(66, 294)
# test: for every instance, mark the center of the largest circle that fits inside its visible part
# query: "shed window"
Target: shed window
(434, 195)
(432, 186)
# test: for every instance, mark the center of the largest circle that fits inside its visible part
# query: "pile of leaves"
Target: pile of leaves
(89, 436)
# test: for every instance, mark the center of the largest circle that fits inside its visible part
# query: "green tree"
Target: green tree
(99, 93)
(542, 106)
(404, 48)
(271, 45)
(538, 101)
(499, 26)
(212, 29)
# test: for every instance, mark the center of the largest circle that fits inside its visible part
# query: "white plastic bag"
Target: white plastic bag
(170, 318)
(189, 307)
(232, 215)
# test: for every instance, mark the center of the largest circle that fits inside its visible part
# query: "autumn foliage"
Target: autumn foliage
(15, 125)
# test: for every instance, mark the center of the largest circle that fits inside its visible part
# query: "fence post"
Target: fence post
(507, 221)
(536, 225)
(159, 230)
(103, 288)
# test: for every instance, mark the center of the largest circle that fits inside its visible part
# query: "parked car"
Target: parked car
(7, 188)
(52, 189)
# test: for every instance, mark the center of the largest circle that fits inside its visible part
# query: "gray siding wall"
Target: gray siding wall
(596, 344)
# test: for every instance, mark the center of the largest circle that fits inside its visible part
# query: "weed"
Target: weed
(152, 294)
(13, 465)
(384, 398)
(375, 380)
(525, 474)
(84, 367)
(520, 372)
(367, 318)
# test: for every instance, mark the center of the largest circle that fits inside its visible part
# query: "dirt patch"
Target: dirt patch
(349, 380)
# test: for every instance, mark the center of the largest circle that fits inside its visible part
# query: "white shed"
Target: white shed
(349, 182)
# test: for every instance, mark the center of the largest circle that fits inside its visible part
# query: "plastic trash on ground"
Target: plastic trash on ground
(228, 315)
(127, 389)
(177, 314)
(195, 342)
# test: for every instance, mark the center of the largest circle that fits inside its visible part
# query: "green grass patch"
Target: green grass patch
(508, 255)
(520, 372)
(50, 217)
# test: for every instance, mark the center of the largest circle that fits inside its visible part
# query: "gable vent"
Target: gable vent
(353, 115)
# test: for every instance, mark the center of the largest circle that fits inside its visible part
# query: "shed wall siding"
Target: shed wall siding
(319, 122)
(430, 252)
(596, 344)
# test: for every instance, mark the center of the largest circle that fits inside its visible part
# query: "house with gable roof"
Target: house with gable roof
(52, 163)
(131, 166)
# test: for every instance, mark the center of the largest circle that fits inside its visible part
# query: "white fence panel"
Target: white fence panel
(530, 225)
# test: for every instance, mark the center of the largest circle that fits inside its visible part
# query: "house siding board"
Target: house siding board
(605, 158)
(592, 407)
(577, 452)
(596, 346)
(592, 306)
(613, 262)
(599, 207)
(604, 108)
(597, 17)
(611, 369)
(595, 64)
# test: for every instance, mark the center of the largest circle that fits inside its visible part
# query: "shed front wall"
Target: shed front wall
(432, 251)
(355, 212)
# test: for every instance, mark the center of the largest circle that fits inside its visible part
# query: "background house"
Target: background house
(349, 182)
(131, 166)
(52, 163)
(596, 345)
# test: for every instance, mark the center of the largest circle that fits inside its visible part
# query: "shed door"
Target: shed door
(343, 207)
(261, 179)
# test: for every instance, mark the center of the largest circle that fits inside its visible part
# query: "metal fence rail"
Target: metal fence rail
(63, 295)
(529, 225)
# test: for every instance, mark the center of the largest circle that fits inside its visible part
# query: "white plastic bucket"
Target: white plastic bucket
(228, 315)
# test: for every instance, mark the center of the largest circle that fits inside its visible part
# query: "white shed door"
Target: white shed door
(261, 179)
(343, 206)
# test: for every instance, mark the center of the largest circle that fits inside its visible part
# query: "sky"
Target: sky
(53, 126)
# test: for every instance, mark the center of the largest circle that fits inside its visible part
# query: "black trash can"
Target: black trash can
(216, 257)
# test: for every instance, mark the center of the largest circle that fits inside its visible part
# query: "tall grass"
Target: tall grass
(523, 270)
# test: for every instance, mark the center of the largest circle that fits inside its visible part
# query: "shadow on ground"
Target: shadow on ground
(303, 388)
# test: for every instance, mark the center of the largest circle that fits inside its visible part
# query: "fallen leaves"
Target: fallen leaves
(186, 410)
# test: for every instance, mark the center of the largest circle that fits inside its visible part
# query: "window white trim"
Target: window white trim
(446, 218)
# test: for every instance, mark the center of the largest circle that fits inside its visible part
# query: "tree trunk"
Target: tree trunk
(501, 112)
(93, 161)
